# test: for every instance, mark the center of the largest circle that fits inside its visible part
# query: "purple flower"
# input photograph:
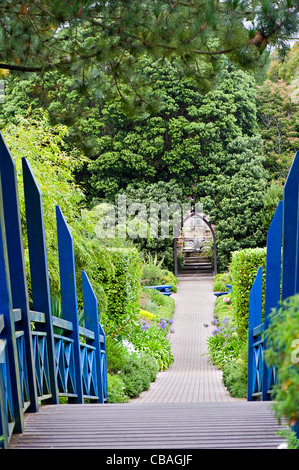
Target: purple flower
(145, 326)
(206, 325)
(216, 331)
(215, 321)
(169, 321)
(162, 324)
(172, 330)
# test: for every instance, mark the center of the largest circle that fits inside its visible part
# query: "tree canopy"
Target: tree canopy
(112, 36)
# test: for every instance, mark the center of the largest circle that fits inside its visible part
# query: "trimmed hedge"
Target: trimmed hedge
(244, 266)
(122, 286)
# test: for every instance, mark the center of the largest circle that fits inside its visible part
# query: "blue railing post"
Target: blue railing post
(14, 241)
(290, 231)
(255, 319)
(8, 337)
(39, 265)
(272, 287)
(4, 432)
(91, 317)
(69, 294)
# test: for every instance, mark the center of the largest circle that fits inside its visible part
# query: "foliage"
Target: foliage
(153, 276)
(138, 372)
(283, 351)
(244, 266)
(116, 389)
(192, 146)
(122, 286)
(292, 440)
(154, 342)
(227, 350)
(41, 145)
(223, 344)
(278, 123)
(131, 371)
(286, 68)
(85, 39)
(159, 305)
(272, 196)
(221, 280)
(234, 373)
(223, 307)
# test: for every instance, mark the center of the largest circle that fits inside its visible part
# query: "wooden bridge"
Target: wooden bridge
(187, 407)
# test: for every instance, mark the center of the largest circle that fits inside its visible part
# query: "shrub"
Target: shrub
(137, 374)
(162, 306)
(116, 389)
(234, 374)
(117, 355)
(221, 280)
(152, 274)
(244, 266)
(223, 307)
(223, 344)
(136, 370)
(283, 353)
(153, 341)
(123, 285)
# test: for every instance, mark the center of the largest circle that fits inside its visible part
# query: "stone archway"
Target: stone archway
(194, 213)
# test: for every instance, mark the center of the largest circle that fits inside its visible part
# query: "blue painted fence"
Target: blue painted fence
(42, 357)
(281, 281)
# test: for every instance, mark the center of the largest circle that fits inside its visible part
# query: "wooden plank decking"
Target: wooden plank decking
(186, 408)
(240, 425)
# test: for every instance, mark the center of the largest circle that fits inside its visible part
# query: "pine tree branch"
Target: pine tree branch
(21, 68)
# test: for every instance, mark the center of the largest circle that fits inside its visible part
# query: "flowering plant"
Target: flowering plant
(223, 343)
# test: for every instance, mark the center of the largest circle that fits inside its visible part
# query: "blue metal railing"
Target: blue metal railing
(42, 357)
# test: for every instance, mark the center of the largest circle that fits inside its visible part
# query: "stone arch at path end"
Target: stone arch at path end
(194, 213)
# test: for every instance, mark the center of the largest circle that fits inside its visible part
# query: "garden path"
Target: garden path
(190, 379)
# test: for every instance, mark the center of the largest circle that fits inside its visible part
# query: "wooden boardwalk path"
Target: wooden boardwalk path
(186, 408)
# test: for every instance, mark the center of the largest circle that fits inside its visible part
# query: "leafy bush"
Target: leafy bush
(152, 276)
(221, 280)
(283, 352)
(122, 286)
(244, 266)
(152, 339)
(226, 350)
(234, 374)
(162, 306)
(136, 370)
(223, 307)
(223, 344)
(116, 389)
(137, 374)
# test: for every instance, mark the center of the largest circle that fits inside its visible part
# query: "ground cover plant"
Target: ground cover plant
(226, 350)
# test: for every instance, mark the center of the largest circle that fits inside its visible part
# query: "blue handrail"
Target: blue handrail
(42, 357)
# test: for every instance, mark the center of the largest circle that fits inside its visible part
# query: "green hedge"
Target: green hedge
(122, 285)
(244, 266)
